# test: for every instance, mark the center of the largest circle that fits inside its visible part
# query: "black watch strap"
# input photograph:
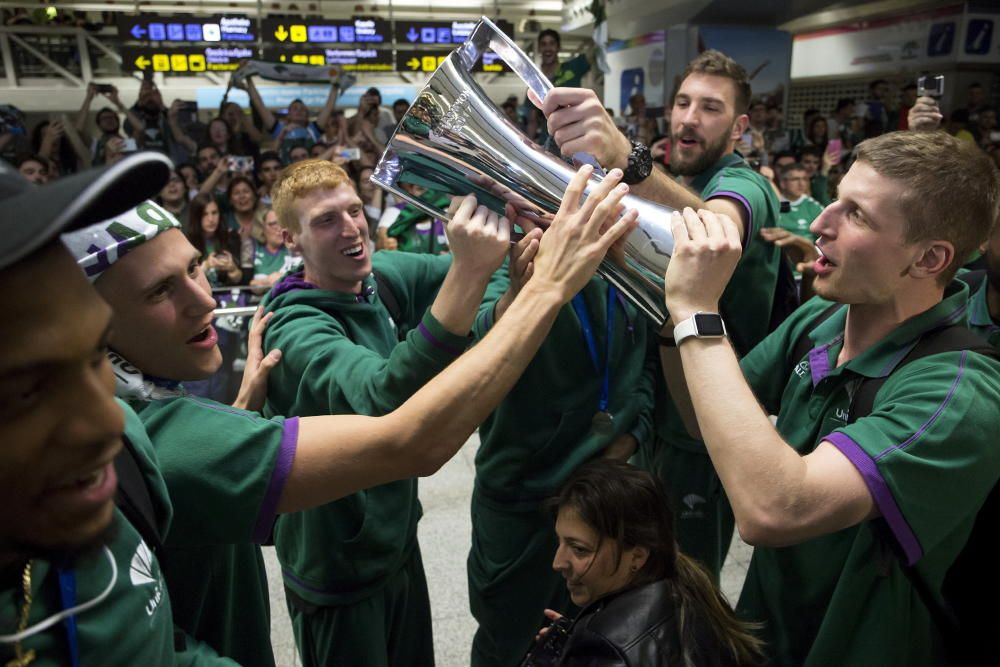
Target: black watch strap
(640, 164)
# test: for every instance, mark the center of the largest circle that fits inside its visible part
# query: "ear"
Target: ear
(740, 126)
(937, 257)
(289, 239)
(637, 558)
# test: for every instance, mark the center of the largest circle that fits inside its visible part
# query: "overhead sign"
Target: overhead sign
(185, 28)
(441, 32)
(184, 60)
(320, 31)
(413, 60)
(351, 60)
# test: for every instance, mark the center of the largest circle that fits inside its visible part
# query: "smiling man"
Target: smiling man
(352, 567)
(837, 500)
(708, 117)
(70, 448)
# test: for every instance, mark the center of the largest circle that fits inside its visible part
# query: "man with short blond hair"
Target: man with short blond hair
(837, 501)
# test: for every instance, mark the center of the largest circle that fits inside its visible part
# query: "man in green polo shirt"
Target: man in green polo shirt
(707, 120)
(64, 544)
(834, 502)
(793, 181)
(351, 567)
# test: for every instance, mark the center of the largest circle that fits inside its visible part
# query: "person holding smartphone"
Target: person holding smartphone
(107, 121)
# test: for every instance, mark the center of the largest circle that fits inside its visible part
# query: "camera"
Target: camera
(351, 153)
(930, 86)
(241, 163)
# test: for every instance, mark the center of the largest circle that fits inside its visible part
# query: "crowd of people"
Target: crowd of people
(847, 436)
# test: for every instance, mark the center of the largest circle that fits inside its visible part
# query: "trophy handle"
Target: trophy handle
(487, 36)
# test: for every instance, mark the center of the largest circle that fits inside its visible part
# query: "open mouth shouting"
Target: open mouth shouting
(823, 265)
(204, 339)
(356, 251)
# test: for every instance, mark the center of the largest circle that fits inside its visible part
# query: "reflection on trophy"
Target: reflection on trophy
(455, 141)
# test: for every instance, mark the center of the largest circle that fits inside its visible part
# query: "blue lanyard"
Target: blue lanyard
(67, 592)
(580, 306)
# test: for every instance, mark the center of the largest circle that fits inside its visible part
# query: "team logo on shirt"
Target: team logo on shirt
(143, 571)
(691, 502)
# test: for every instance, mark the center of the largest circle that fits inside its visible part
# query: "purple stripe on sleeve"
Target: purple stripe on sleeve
(881, 494)
(748, 225)
(436, 343)
(282, 466)
(933, 418)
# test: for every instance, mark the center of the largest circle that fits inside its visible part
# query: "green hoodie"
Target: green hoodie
(341, 355)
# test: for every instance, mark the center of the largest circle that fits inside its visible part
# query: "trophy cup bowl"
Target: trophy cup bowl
(455, 141)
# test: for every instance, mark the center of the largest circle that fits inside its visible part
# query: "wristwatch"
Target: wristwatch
(700, 325)
(640, 164)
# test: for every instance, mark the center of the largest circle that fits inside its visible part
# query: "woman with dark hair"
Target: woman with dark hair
(643, 601)
(219, 247)
(816, 132)
(244, 208)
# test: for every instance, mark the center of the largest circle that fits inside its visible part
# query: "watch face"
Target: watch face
(708, 324)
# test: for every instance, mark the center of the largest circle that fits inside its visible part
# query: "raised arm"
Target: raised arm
(258, 103)
(578, 122)
(180, 136)
(81, 116)
(339, 455)
(331, 101)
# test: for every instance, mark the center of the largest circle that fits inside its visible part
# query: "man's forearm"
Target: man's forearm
(761, 474)
(457, 302)
(661, 188)
(340, 455)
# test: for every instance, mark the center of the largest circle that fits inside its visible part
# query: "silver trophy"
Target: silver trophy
(453, 140)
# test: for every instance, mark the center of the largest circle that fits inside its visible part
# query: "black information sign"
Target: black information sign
(428, 60)
(320, 31)
(440, 32)
(186, 28)
(349, 60)
(191, 60)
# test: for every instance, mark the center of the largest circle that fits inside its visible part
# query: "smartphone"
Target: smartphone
(241, 163)
(930, 86)
(351, 153)
(104, 88)
(834, 147)
(129, 145)
(188, 113)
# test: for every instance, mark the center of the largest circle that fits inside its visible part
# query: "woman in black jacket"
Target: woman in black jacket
(643, 602)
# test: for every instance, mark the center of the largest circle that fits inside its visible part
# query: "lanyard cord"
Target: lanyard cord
(65, 613)
(580, 306)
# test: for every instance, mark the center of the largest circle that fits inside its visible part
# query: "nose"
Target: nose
(559, 562)
(198, 296)
(823, 224)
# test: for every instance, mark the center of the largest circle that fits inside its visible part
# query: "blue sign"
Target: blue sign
(428, 36)
(322, 33)
(441, 32)
(941, 40)
(152, 27)
(346, 33)
(979, 37)
(304, 31)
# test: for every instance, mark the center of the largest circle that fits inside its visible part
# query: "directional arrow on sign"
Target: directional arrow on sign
(413, 63)
(138, 31)
(281, 34)
(413, 35)
(142, 62)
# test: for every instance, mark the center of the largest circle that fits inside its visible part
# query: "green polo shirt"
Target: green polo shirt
(746, 302)
(800, 215)
(542, 431)
(133, 624)
(341, 355)
(980, 321)
(225, 469)
(928, 455)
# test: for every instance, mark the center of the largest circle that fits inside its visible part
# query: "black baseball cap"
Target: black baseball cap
(32, 215)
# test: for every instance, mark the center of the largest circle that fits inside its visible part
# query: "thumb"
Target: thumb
(270, 361)
(537, 101)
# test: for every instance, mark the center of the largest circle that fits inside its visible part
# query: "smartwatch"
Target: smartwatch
(700, 325)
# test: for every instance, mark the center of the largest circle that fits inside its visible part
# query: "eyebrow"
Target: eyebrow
(195, 256)
(42, 366)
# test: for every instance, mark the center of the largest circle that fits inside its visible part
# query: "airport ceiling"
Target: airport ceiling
(531, 15)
